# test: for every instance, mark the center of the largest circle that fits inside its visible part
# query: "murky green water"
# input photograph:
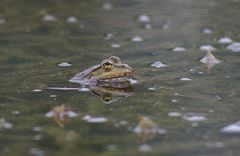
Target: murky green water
(32, 48)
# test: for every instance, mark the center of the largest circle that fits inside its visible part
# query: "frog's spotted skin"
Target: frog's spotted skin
(110, 70)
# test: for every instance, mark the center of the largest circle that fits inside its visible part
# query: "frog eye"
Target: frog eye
(107, 65)
(107, 98)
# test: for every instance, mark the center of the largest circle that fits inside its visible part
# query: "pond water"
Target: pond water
(45, 43)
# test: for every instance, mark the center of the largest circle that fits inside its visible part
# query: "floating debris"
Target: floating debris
(145, 148)
(49, 18)
(158, 64)
(91, 119)
(207, 48)
(5, 125)
(152, 88)
(209, 58)
(225, 40)
(194, 118)
(115, 45)
(53, 96)
(232, 128)
(235, 47)
(107, 6)
(72, 19)
(37, 90)
(174, 114)
(61, 114)
(108, 36)
(179, 49)
(185, 79)
(207, 31)
(137, 39)
(64, 64)
(144, 18)
(174, 101)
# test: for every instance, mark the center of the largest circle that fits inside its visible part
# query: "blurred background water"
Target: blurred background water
(37, 36)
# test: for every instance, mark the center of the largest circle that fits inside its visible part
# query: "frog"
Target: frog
(110, 70)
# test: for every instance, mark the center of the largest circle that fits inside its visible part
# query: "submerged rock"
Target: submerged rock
(235, 47)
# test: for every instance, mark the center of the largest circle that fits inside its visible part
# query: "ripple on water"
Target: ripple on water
(179, 49)
(64, 64)
(137, 39)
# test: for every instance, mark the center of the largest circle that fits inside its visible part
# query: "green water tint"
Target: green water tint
(31, 50)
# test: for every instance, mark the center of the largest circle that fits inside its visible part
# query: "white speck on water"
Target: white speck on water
(185, 79)
(235, 47)
(232, 128)
(192, 70)
(36, 90)
(215, 144)
(37, 129)
(228, 77)
(81, 26)
(84, 89)
(211, 111)
(158, 64)
(72, 19)
(174, 101)
(137, 39)
(53, 96)
(148, 26)
(144, 18)
(207, 48)
(36, 152)
(165, 26)
(49, 18)
(107, 6)
(16, 112)
(174, 114)
(176, 94)
(179, 49)
(115, 45)
(111, 147)
(38, 137)
(123, 122)
(225, 40)
(194, 118)
(145, 148)
(2, 21)
(64, 64)
(71, 114)
(207, 31)
(108, 36)
(218, 97)
(5, 125)
(152, 88)
(200, 73)
(90, 119)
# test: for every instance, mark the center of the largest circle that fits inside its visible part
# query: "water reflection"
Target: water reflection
(60, 114)
(147, 129)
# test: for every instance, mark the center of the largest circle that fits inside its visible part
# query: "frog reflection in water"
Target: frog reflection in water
(111, 80)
